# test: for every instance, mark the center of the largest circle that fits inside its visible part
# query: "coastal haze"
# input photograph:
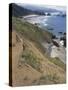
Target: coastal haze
(38, 44)
(54, 19)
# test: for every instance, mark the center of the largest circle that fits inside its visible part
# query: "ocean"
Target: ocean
(54, 24)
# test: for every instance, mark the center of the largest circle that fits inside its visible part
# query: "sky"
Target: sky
(60, 8)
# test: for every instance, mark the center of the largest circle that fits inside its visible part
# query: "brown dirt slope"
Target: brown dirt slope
(24, 73)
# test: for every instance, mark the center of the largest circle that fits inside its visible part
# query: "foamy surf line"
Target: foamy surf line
(36, 19)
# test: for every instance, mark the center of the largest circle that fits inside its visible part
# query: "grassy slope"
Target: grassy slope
(33, 55)
(32, 32)
(36, 35)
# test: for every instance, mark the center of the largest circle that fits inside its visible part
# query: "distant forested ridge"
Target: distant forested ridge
(19, 11)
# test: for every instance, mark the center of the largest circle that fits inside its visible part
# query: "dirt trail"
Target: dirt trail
(27, 75)
(16, 52)
(43, 59)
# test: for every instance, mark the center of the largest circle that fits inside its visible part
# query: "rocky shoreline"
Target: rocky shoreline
(58, 46)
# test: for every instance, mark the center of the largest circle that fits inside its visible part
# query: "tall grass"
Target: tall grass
(29, 58)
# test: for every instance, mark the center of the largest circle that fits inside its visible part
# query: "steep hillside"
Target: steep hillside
(32, 32)
(29, 64)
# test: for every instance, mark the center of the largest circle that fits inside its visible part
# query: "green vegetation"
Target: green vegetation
(32, 32)
(37, 36)
(47, 79)
(52, 78)
(29, 58)
(56, 61)
(32, 36)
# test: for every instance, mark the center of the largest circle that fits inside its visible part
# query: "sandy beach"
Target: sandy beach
(53, 50)
(35, 18)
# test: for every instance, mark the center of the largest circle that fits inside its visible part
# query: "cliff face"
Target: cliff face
(30, 66)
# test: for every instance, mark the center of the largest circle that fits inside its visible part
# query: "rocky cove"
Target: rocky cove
(52, 49)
